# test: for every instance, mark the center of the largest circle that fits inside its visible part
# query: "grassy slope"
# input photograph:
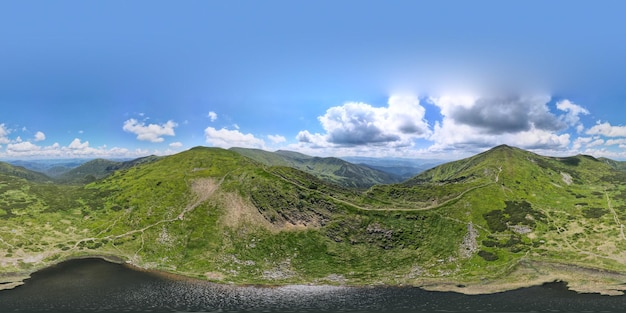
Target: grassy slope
(333, 170)
(98, 168)
(22, 172)
(215, 214)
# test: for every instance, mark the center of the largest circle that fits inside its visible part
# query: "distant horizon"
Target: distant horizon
(402, 79)
(443, 160)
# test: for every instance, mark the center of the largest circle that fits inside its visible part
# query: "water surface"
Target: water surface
(94, 285)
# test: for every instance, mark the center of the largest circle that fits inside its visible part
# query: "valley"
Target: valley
(500, 220)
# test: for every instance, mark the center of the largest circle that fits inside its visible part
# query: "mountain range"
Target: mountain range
(499, 220)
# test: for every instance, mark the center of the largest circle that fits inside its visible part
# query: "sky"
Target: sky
(411, 79)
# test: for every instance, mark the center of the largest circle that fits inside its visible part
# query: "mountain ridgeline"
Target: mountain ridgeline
(330, 169)
(499, 220)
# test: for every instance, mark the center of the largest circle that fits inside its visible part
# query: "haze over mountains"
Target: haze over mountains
(498, 220)
(360, 173)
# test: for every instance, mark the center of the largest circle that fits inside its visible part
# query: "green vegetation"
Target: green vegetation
(331, 170)
(216, 214)
(97, 169)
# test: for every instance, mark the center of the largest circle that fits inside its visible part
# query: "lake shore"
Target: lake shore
(534, 273)
(528, 274)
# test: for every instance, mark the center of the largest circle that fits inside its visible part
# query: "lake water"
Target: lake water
(94, 285)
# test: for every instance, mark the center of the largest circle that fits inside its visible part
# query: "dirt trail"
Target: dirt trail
(429, 207)
(615, 217)
(202, 189)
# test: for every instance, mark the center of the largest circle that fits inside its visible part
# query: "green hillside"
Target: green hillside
(98, 168)
(330, 169)
(500, 220)
(22, 172)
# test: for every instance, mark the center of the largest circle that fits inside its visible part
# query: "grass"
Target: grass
(275, 225)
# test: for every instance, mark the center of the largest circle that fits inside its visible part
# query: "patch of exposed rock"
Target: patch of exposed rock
(469, 246)
(280, 272)
(567, 178)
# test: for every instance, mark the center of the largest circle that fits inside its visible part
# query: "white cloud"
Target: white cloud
(597, 142)
(360, 124)
(231, 138)
(608, 130)
(580, 142)
(4, 133)
(473, 123)
(611, 154)
(573, 111)
(499, 115)
(150, 132)
(313, 140)
(276, 138)
(22, 147)
(612, 142)
(40, 136)
(176, 144)
(537, 139)
(76, 148)
(212, 116)
(76, 144)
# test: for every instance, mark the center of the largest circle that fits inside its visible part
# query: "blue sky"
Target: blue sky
(443, 79)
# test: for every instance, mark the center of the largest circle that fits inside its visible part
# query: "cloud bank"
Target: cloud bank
(150, 132)
(225, 138)
(458, 123)
(361, 124)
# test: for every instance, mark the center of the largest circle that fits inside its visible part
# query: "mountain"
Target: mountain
(403, 168)
(499, 220)
(330, 169)
(617, 165)
(22, 172)
(52, 167)
(98, 168)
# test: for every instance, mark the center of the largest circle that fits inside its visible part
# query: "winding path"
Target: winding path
(430, 207)
(615, 217)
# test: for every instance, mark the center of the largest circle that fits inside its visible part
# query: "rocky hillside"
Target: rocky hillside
(499, 220)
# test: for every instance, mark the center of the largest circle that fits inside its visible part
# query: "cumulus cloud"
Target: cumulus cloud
(212, 116)
(76, 144)
(597, 142)
(76, 148)
(21, 147)
(612, 142)
(573, 112)
(360, 124)
(498, 115)
(608, 130)
(580, 142)
(276, 138)
(231, 138)
(4, 133)
(150, 132)
(176, 144)
(39, 136)
(475, 123)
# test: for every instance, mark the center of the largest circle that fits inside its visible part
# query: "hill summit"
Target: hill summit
(499, 220)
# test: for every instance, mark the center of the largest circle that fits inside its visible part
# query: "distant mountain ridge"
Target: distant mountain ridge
(401, 167)
(99, 168)
(22, 172)
(331, 169)
(51, 167)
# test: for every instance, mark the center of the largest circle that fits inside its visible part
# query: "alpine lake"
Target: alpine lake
(95, 285)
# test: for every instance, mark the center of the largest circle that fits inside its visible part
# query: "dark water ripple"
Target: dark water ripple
(93, 285)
